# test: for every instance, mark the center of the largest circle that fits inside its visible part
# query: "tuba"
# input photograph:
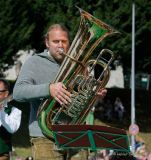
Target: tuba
(76, 73)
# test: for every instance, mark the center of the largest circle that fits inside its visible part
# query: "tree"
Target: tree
(24, 23)
(15, 29)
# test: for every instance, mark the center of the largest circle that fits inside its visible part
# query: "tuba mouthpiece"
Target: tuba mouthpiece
(61, 50)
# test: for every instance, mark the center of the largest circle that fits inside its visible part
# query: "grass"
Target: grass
(21, 153)
(21, 141)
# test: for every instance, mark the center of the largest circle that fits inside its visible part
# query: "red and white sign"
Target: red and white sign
(133, 129)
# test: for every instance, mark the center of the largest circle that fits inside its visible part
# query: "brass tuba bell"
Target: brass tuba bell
(76, 72)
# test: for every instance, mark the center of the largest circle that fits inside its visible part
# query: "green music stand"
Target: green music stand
(91, 137)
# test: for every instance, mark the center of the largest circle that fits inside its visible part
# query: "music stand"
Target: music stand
(91, 137)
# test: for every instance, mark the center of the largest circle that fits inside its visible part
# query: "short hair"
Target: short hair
(6, 84)
(59, 26)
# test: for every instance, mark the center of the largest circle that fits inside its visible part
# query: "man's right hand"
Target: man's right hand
(59, 92)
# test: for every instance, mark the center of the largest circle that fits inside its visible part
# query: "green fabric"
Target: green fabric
(90, 118)
(5, 136)
(8, 109)
(4, 148)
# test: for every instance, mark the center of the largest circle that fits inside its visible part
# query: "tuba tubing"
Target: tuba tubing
(76, 72)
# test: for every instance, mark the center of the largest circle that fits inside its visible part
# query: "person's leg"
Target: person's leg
(45, 149)
(4, 156)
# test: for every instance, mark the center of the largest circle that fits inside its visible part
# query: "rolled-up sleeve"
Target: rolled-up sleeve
(12, 121)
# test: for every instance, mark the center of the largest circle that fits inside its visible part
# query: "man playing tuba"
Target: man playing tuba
(35, 82)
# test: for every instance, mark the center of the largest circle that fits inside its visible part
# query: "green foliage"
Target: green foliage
(15, 29)
(23, 24)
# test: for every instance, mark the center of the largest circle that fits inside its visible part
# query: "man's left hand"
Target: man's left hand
(101, 93)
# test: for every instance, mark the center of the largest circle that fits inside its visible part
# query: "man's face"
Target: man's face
(57, 39)
(3, 93)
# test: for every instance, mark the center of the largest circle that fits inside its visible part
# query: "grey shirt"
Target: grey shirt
(33, 85)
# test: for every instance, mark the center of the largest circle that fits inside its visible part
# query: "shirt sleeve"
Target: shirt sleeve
(27, 82)
(12, 121)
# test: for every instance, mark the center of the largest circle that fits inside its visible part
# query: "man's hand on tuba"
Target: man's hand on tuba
(101, 93)
(59, 93)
